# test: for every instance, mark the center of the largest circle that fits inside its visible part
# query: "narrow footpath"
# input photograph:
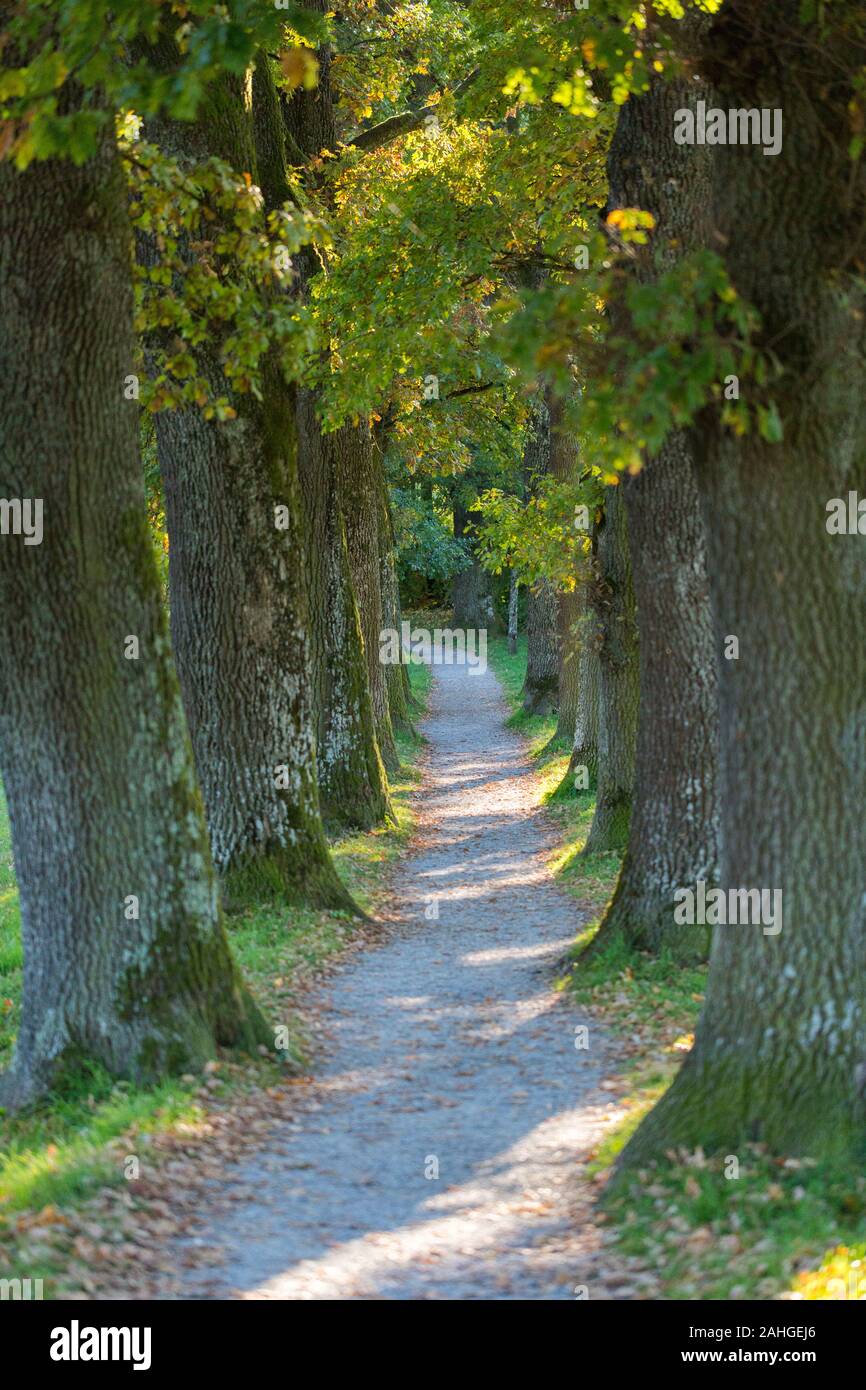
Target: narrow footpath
(436, 1153)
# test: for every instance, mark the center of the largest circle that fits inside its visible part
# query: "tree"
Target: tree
(396, 676)
(564, 464)
(541, 686)
(351, 464)
(236, 566)
(673, 835)
(351, 773)
(779, 1049)
(583, 763)
(471, 594)
(126, 962)
(612, 598)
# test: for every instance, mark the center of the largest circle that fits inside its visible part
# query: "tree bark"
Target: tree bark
(673, 835)
(471, 596)
(238, 593)
(352, 780)
(780, 1047)
(310, 125)
(582, 774)
(398, 703)
(359, 469)
(563, 467)
(674, 831)
(126, 962)
(513, 596)
(612, 597)
(541, 686)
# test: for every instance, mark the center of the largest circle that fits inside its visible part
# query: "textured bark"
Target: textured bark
(94, 747)
(780, 1047)
(513, 595)
(471, 596)
(612, 597)
(310, 124)
(541, 687)
(352, 778)
(564, 464)
(359, 471)
(395, 675)
(673, 840)
(238, 593)
(584, 751)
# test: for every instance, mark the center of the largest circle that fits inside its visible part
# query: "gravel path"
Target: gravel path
(435, 1154)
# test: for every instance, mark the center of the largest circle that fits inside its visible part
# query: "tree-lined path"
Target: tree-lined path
(447, 1044)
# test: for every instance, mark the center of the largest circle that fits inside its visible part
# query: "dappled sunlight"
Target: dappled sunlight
(504, 953)
(486, 1219)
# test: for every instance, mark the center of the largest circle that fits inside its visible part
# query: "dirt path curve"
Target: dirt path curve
(448, 1052)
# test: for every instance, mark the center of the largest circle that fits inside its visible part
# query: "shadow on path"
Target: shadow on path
(434, 1155)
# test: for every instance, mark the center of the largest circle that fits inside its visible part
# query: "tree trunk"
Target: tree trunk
(126, 962)
(471, 595)
(238, 594)
(563, 467)
(673, 840)
(351, 772)
(398, 704)
(352, 780)
(310, 123)
(780, 1047)
(612, 596)
(513, 596)
(359, 470)
(673, 837)
(582, 774)
(541, 686)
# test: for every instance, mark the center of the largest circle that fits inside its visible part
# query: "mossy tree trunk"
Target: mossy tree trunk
(239, 609)
(126, 962)
(780, 1047)
(674, 831)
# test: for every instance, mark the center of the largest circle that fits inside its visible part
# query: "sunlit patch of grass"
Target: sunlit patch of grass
(60, 1151)
(538, 729)
(744, 1226)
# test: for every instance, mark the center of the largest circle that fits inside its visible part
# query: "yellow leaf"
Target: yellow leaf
(300, 67)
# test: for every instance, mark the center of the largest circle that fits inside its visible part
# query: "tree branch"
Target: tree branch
(406, 121)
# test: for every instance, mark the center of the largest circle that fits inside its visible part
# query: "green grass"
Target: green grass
(591, 879)
(537, 729)
(61, 1152)
(760, 1231)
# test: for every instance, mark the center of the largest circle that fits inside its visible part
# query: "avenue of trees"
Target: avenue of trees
(378, 305)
